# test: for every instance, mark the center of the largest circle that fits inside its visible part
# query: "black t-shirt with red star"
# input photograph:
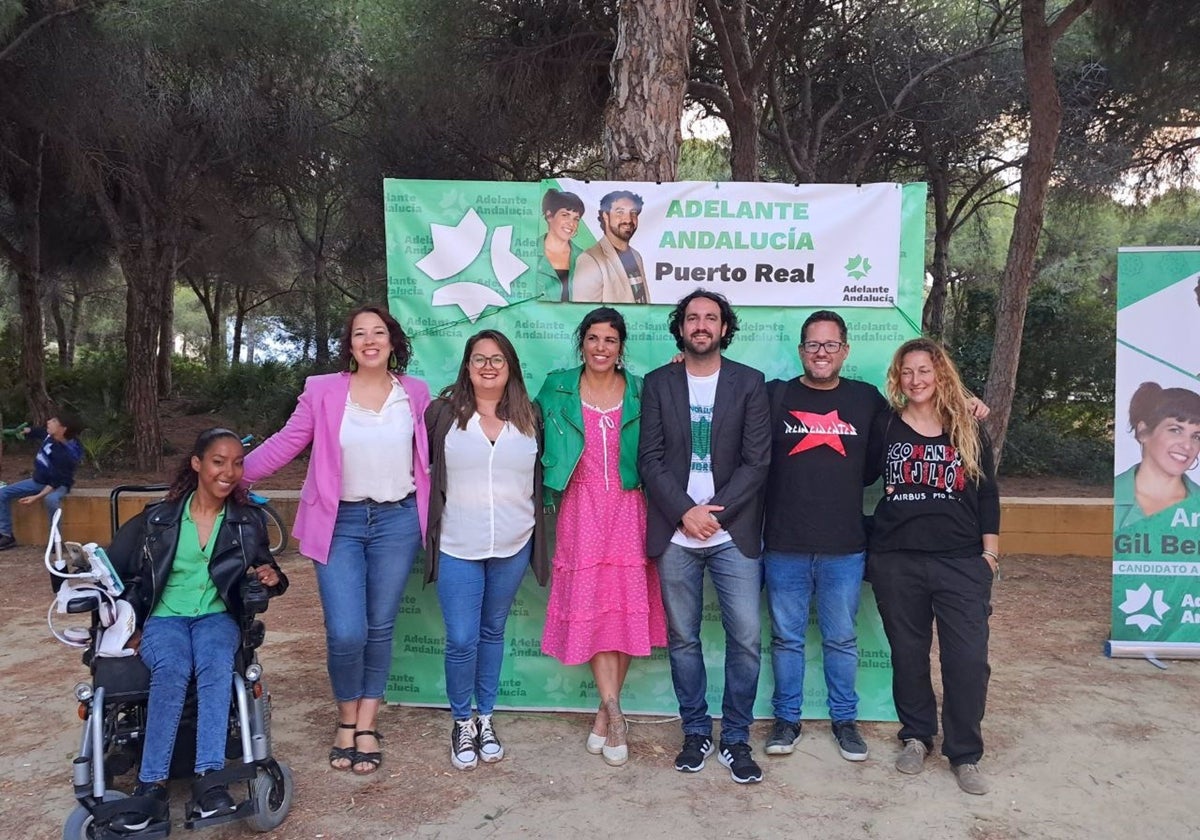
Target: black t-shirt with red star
(819, 460)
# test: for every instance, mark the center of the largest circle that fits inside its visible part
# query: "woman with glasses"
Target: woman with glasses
(934, 550)
(485, 528)
(605, 605)
(362, 512)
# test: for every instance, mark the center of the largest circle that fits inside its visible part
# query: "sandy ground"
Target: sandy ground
(1079, 746)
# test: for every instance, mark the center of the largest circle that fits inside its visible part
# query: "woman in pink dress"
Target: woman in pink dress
(605, 606)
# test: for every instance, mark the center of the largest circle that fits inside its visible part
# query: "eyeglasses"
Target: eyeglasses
(831, 347)
(480, 362)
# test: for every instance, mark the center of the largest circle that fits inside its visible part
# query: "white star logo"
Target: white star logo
(1136, 601)
(455, 248)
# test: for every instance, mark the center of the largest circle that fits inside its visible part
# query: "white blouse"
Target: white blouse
(377, 450)
(489, 492)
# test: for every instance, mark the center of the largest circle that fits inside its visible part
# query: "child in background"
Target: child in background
(53, 472)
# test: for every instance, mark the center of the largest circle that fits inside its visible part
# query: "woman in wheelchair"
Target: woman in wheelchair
(190, 560)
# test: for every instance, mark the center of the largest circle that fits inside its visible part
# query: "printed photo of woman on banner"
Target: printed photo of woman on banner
(1166, 424)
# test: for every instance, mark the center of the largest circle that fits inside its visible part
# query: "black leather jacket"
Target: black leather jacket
(143, 552)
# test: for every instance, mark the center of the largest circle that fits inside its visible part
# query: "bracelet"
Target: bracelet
(995, 557)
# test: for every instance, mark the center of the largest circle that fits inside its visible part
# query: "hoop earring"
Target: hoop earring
(353, 364)
(393, 362)
(1195, 463)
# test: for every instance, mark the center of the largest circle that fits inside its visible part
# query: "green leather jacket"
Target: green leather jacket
(562, 413)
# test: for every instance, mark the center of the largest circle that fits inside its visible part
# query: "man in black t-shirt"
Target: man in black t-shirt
(814, 541)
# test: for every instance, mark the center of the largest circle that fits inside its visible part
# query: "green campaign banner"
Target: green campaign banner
(1156, 497)
(466, 255)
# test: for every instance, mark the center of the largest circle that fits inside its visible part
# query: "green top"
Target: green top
(190, 590)
(562, 413)
(1125, 507)
(548, 281)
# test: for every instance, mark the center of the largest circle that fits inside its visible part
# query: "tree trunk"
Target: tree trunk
(649, 74)
(143, 327)
(235, 350)
(320, 311)
(166, 333)
(933, 317)
(1045, 121)
(54, 304)
(27, 201)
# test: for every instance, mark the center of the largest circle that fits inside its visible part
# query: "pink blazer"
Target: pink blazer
(318, 420)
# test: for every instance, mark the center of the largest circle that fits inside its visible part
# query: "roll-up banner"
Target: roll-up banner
(1156, 497)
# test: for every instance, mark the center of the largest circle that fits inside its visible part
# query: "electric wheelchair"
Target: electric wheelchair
(113, 708)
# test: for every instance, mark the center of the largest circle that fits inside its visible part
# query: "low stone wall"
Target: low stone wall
(87, 518)
(1051, 527)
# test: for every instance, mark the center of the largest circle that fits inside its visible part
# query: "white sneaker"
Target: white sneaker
(490, 748)
(463, 753)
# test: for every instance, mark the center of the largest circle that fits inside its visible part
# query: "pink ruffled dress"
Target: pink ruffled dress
(604, 593)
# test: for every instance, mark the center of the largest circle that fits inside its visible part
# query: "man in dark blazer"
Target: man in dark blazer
(703, 457)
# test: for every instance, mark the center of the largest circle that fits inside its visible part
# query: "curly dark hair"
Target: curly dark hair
(187, 480)
(728, 316)
(401, 346)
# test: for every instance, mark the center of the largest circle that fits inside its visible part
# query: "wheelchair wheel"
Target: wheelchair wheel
(272, 798)
(277, 534)
(79, 822)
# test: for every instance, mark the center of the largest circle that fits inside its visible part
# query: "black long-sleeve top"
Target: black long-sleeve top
(929, 505)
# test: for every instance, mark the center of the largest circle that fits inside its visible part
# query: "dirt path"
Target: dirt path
(1079, 746)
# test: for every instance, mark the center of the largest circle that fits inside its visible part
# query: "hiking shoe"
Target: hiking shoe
(696, 748)
(784, 737)
(912, 759)
(849, 741)
(7, 541)
(970, 779)
(464, 753)
(742, 768)
(214, 802)
(130, 821)
(490, 748)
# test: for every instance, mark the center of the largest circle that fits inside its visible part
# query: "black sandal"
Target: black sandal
(372, 759)
(342, 753)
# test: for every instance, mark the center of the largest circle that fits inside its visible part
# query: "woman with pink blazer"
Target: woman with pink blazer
(362, 514)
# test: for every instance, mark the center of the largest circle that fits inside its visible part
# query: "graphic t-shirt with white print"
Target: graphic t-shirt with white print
(702, 392)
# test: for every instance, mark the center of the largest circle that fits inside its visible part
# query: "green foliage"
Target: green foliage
(254, 398)
(101, 446)
(1040, 447)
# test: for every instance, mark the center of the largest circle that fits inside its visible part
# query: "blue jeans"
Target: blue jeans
(173, 648)
(792, 580)
(374, 545)
(21, 489)
(476, 596)
(738, 582)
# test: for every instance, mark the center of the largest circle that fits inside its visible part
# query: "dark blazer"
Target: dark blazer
(741, 453)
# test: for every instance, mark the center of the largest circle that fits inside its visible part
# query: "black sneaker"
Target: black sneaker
(742, 768)
(214, 802)
(131, 821)
(7, 541)
(696, 748)
(784, 737)
(850, 743)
